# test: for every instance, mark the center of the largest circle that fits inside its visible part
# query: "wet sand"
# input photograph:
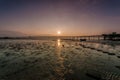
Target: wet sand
(58, 60)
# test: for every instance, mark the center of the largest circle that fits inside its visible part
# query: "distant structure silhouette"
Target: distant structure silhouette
(113, 36)
(106, 37)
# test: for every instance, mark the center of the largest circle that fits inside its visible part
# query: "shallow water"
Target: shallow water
(55, 60)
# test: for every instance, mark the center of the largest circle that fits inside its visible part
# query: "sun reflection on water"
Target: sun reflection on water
(58, 42)
(60, 68)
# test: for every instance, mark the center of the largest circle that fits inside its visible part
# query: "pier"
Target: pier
(109, 37)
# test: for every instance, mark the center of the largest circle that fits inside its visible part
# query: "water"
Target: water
(56, 60)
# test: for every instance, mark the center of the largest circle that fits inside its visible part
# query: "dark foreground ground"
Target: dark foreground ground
(58, 60)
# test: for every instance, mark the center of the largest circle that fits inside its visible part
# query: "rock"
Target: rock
(63, 46)
(111, 53)
(99, 50)
(94, 74)
(7, 54)
(105, 52)
(92, 48)
(118, 56)
(117, 67)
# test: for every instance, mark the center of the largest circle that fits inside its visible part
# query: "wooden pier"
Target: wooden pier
(109, 37)
(85, 38)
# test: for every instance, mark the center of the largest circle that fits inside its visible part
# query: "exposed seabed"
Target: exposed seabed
(58, 60)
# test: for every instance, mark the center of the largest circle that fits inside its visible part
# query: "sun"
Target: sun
(59, 32)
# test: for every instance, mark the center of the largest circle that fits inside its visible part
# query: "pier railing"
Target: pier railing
(111, 37)
(85, 38)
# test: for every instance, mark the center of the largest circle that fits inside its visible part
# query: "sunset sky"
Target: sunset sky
(70, 17)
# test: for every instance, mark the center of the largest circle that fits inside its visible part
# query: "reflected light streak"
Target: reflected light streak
(58, 42)
(60, 70)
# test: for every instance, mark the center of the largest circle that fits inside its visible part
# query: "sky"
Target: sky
(71, 17)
